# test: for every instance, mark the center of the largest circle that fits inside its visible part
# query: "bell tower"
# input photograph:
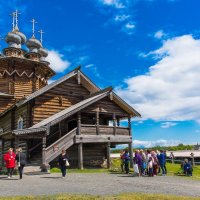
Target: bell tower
(23, 72)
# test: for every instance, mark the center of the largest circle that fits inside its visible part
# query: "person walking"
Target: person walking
(63, 163)
(9, 158)
(21, 161)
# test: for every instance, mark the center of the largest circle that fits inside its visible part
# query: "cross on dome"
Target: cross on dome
(33, 27)
(41, 34)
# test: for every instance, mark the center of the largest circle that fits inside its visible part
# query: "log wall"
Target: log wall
(58, 98)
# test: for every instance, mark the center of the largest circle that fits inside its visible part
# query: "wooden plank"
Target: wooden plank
(102, 139)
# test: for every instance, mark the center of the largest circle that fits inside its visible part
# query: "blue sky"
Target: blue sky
(148, 50)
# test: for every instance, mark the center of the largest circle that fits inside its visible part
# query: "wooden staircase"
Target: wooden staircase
(55, 149)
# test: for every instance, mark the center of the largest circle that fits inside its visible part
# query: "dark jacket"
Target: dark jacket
(21, 157)
(126, 158)
(162, 159)
(62, 160)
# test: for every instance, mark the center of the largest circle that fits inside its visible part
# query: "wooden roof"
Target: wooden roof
(86, 82)
(54, 119)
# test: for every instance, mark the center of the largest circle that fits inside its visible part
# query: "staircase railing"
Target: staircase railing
(55, 149)
(40, 143)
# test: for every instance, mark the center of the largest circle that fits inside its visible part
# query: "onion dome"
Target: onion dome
(22, 36)
(13, 39)
(33, 44)
(43, 52)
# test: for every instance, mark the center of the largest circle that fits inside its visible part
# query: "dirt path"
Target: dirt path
(97, 184)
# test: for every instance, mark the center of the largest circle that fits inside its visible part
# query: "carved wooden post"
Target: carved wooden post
(129, 125)
(130, 154)
(60, 130)
(108, 156)
(114, 124)
(97, 122)
(80, 156)
(79, 123)
(16, 142)
(43, 151)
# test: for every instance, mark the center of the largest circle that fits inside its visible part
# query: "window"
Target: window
(20, 123)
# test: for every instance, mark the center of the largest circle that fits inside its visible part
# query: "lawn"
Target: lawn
(131, 196)
(173, 169)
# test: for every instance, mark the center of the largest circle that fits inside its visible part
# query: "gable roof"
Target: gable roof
(74, 72)
(55, 83)
(54, 119)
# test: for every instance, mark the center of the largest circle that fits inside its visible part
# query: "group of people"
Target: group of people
(18, 160)
(14, 160)
(146, 163)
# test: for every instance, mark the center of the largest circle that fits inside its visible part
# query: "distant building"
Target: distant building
(196, 147)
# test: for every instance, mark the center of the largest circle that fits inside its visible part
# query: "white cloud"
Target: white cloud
(167, 124)
(89, 66)
(130, 25)
(121, 18)
(159, 34)
(147, 144)
(170, 90)
(120, 12)
(115, 3)
(57, 62)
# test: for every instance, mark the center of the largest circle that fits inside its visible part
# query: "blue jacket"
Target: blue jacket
(126, 158)
(162, 159)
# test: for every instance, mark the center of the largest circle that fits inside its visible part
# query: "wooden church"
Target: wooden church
(72, 113)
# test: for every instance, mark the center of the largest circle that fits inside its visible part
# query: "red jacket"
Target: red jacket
(10, 160)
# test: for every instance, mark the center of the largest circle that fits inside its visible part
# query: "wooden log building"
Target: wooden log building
(72, 113)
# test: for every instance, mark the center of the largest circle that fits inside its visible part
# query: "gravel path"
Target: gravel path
(97, 184)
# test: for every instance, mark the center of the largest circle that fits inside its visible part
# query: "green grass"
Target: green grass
(127, 196)
(173, 169)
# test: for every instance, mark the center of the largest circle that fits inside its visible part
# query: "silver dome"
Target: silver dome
(43, 52)
(33, 44)
(22, 36)
(13, 39)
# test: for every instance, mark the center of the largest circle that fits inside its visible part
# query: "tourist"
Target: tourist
(63, 162)
(138, 161)
(122, 160)
(165, 154)
(126, 158)
(187, 168)
(162, 162)
(9, 158)
(150, 166)
(155, 163)
(21, 161)
(144, 165)
(148, 155)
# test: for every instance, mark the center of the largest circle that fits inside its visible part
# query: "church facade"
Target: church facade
(72, 113)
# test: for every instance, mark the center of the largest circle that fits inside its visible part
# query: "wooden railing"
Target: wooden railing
(103, 130)
(40, 143)
(55, 149)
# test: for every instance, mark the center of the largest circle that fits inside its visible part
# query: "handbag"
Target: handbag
(67, 163)
(135, 168)
(18, 164)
